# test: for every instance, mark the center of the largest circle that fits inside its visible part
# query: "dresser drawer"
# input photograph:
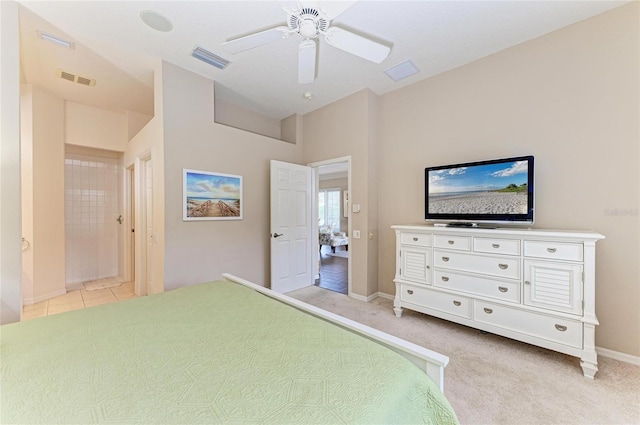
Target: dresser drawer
(448, 303)
(462, 243)
(555, 250)
(506, 291)
(497, 246)
(508, 267)
(415, 239)
(559, 330)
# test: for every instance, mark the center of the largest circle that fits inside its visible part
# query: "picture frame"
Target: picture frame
(211, 196)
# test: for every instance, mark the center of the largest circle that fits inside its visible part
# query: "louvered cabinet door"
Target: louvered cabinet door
(415, 264)
(553, 286)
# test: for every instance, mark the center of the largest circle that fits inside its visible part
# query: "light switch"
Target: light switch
(356, 208)
(356, 234)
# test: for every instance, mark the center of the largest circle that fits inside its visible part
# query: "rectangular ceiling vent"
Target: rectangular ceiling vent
(209, 57)
(75, 78)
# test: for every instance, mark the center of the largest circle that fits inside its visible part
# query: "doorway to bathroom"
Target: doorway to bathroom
(93, 220)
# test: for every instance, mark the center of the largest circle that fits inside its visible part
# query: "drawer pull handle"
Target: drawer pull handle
(415, 239)
(428, 267)
(457, 303)
(409, 291)
(503, 266)
(445, 279)
(526, 282)
(551, 250)
(495, 245)
(488, 310)
(502, 289)
(451, 242)
(445, 259)
(561, 328)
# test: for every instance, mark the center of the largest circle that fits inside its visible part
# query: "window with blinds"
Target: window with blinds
(329, 201)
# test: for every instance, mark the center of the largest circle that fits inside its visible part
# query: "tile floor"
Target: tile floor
(80, 298)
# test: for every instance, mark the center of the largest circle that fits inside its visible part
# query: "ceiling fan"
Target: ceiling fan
(310, 20)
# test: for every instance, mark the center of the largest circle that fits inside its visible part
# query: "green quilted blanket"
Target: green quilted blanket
(210, 353)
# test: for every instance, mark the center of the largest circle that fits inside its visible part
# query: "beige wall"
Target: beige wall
(235, 116)
(95, 127)
(342, 129)
(10, 227)
(136, 122)
(570, 98)
(199, 251)
(43, 223)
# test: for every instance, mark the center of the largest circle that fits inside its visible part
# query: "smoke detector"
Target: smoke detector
(75, 78)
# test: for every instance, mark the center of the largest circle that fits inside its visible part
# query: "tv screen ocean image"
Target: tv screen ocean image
(212, 196)
(479, 189)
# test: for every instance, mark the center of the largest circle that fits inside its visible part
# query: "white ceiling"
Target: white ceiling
(114, 46)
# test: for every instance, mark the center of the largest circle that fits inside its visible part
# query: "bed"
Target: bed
(227, 351)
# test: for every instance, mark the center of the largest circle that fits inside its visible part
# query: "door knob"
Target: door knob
(276, 235)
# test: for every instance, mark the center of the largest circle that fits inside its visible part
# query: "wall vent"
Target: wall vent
(75, 78)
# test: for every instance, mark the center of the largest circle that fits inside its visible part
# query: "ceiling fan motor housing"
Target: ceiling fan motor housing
(309, 22)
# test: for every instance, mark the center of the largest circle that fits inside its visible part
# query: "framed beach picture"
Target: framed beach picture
(211, 196)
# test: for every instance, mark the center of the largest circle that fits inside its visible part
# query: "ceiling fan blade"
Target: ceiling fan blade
(255, 40)
(334, 8)
(307, 61)
(357, 45)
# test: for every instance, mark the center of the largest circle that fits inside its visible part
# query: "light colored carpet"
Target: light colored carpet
(495, 380)
(105, 282)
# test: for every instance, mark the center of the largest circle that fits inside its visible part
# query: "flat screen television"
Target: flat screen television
(497, 191)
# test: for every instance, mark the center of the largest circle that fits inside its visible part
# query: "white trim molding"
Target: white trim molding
(363, 298)
(34, 300)
(617, 355)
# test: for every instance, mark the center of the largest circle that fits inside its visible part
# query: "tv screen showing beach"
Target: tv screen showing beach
(479, 189)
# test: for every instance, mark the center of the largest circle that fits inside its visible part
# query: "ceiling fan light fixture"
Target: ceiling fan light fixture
(57, 40)
(402, 70)
(210, 58)
(308, 29)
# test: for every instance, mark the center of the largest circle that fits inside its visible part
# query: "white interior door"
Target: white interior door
(149, 226)
(291, 229)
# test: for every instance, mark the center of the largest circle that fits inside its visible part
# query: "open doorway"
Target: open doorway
(334, 227)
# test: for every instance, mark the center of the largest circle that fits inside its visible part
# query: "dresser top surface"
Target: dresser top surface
(501, 231)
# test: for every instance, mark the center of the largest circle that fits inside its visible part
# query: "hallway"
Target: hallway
(333, 271)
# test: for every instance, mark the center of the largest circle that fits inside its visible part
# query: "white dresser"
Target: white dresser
(532, 285)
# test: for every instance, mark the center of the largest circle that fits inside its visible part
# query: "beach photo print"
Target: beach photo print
(211, 196)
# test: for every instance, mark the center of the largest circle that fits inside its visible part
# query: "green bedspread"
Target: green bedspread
(210, 353)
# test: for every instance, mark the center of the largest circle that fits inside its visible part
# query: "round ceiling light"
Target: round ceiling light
(155, 21)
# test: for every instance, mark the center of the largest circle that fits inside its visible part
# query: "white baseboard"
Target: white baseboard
(616, 355)
(35, 300)
(363, 298)
(372, 296)
(386, 296)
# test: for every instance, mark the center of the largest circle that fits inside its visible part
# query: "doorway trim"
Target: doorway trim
(128, 250)
(140, 223)
(314, 209)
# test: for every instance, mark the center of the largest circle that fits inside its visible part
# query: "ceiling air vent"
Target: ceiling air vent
(75, 78)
